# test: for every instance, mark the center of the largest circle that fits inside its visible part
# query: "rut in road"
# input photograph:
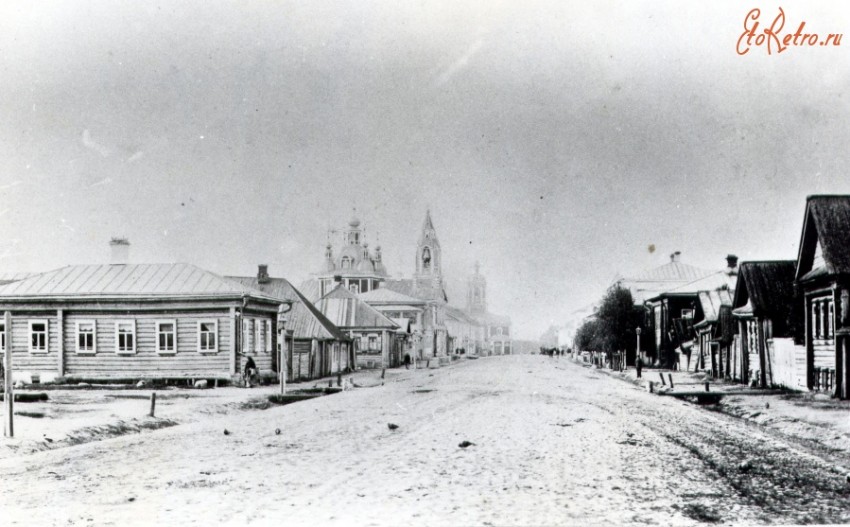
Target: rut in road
(778, 476)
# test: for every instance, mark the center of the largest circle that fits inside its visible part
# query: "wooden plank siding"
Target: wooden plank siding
(42, 363)
(187, 361)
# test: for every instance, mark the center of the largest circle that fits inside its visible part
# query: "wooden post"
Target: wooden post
(650, 387)
(706, 385)
(60, 345)
(663, 382)
(383, 371)
(670, 376)
(153, 404)
(233, 341)
(283, 366)
(8, 393)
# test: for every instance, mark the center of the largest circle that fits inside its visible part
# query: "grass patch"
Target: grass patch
(34, 415)
(701, 513)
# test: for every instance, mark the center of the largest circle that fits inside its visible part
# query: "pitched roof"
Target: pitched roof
(652, 282)
(766, 288)
(345, 310)
(830, 217)
(460, 315)
(671, 271)
(423, 290)
(6, 278)
(383, 295)
(310, 289)
(306, 321)
(712, 301)
(711, 282)
(126, 281)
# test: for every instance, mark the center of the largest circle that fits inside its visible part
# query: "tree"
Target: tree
(588, 335)
(618, 317)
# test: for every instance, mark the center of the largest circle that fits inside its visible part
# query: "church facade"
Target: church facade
(438, 330)
(495, 329)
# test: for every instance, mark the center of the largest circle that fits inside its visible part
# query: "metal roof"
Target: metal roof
(126, 280)
(387, 296)
(305, 319)
(345, 310)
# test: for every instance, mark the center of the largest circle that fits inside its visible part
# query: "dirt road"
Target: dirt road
(553, 443)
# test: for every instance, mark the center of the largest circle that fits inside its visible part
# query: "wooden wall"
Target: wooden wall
(145, 362)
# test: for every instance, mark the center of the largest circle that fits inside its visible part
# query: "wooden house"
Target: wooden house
(377, 343)
(714, 334)
(763, 309)
(397, 307)
(673, 315)
(823, 283)
(315, 347)
(121, 321)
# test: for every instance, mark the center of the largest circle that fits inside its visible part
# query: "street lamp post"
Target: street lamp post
(282, 311)
(637, 347)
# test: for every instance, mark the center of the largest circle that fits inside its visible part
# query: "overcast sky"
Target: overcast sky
(554, 141)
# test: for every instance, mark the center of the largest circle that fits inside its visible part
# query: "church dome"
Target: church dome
(366, 266)
(354, 222)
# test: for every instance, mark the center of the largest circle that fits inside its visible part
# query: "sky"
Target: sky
(558, 143)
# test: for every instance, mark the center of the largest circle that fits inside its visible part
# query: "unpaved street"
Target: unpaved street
(554, 443)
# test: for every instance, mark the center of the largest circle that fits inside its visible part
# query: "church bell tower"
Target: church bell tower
(428, 263)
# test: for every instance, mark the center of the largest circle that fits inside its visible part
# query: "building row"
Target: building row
(123, 321)
(766, 323)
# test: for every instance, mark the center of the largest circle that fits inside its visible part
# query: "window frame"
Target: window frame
(77, 324)
(46, 336)
(214, 333)
(132, 324)
(157, 326)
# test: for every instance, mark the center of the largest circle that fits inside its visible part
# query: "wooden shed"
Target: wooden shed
(763, 308)
(379, 345)
(315, 347)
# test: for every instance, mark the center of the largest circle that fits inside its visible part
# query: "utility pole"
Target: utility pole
(8, 393)
(283, 309)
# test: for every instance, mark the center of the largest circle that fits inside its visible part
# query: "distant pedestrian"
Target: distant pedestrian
(407, 361)
(250, 371)
(638, 366)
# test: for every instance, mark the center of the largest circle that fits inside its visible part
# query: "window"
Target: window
(354, 288)
(346, 262)
(688, 313)
(208, 336)
(3, 336)
(373, 343)
(85, 336)
(166, 337)
(125, 336)
(38, 336)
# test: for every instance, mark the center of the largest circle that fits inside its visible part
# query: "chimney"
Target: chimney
(262, 274)
(731, 263)
(675, 257)
(338, 278)
(119, 249)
